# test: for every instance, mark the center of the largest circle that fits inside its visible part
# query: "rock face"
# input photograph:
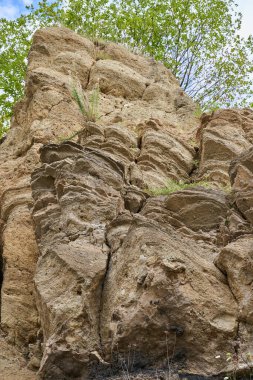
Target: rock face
(100, 277)
(227, 133)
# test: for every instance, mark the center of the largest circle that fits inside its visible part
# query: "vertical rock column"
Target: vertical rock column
(76, 191)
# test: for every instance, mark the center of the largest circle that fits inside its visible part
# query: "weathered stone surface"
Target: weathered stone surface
(76, 192)
(18, 312)
(48, 113)
(114, 289)
(163, 157)
(150, 155)
(224, 135)
(241, 173)
(99, 278)
(19, 253)
(118, 80)
(167, 289)
(198, 209)
(203, 214)
(12, 364)
(236, 261)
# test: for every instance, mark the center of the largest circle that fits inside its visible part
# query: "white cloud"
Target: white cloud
(27, 2)
(246, 8)
(9, 11)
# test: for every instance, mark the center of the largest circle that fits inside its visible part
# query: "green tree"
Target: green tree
(15, 37)
(197, 39)
(14, 50)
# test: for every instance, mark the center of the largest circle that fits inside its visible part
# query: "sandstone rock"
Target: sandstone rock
(241, 173)
(12, 364)
(235, 260)
(98, 277)
(200, 213)
(223, 137)
(148, 67)
(198, 209)
(54, 42)
(157, 290)
(119, 318)
(163, 157)
(117, 79)
(18, 312)
(76, 192)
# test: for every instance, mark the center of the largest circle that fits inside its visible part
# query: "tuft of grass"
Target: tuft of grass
(68, 138)
(198, 111)
(193, 142)
(101, 54)
(173, 186)
(227, 188)
(87, 105)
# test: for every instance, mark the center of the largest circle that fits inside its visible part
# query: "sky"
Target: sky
(246, 8)
(12, 8)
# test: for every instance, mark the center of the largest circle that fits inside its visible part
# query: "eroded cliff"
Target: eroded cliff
(100, 278)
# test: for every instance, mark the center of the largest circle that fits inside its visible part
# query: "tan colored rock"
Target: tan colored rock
(118, 80)
(12, 364)
(123, 280)
(203, 214)
(160, 94)
(236, 261)
(70, 213)
(241, 174)
(125, 268)
(18, 312)
(142, 65)
(150, 155)
(198, 209)
(165, 288)
(223, 137)
(54, 42)
(163, 157)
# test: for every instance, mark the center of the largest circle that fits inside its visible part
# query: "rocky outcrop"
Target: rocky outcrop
(102, 277)
(48, 113)
(113, 273)
(161, 305)
(224, 135)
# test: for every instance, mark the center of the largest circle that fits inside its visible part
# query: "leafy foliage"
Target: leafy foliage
(13, 55)
(16, 36)
(197, 40)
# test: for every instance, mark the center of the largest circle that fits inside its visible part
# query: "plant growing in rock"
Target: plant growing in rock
(88, 105)
(100, 54)
(173, 186)
(234, 359)
(68, 138)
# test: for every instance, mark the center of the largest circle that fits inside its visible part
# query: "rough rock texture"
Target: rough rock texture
(12, 364)
(100, 278)
(224, 135)
(241, 172)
